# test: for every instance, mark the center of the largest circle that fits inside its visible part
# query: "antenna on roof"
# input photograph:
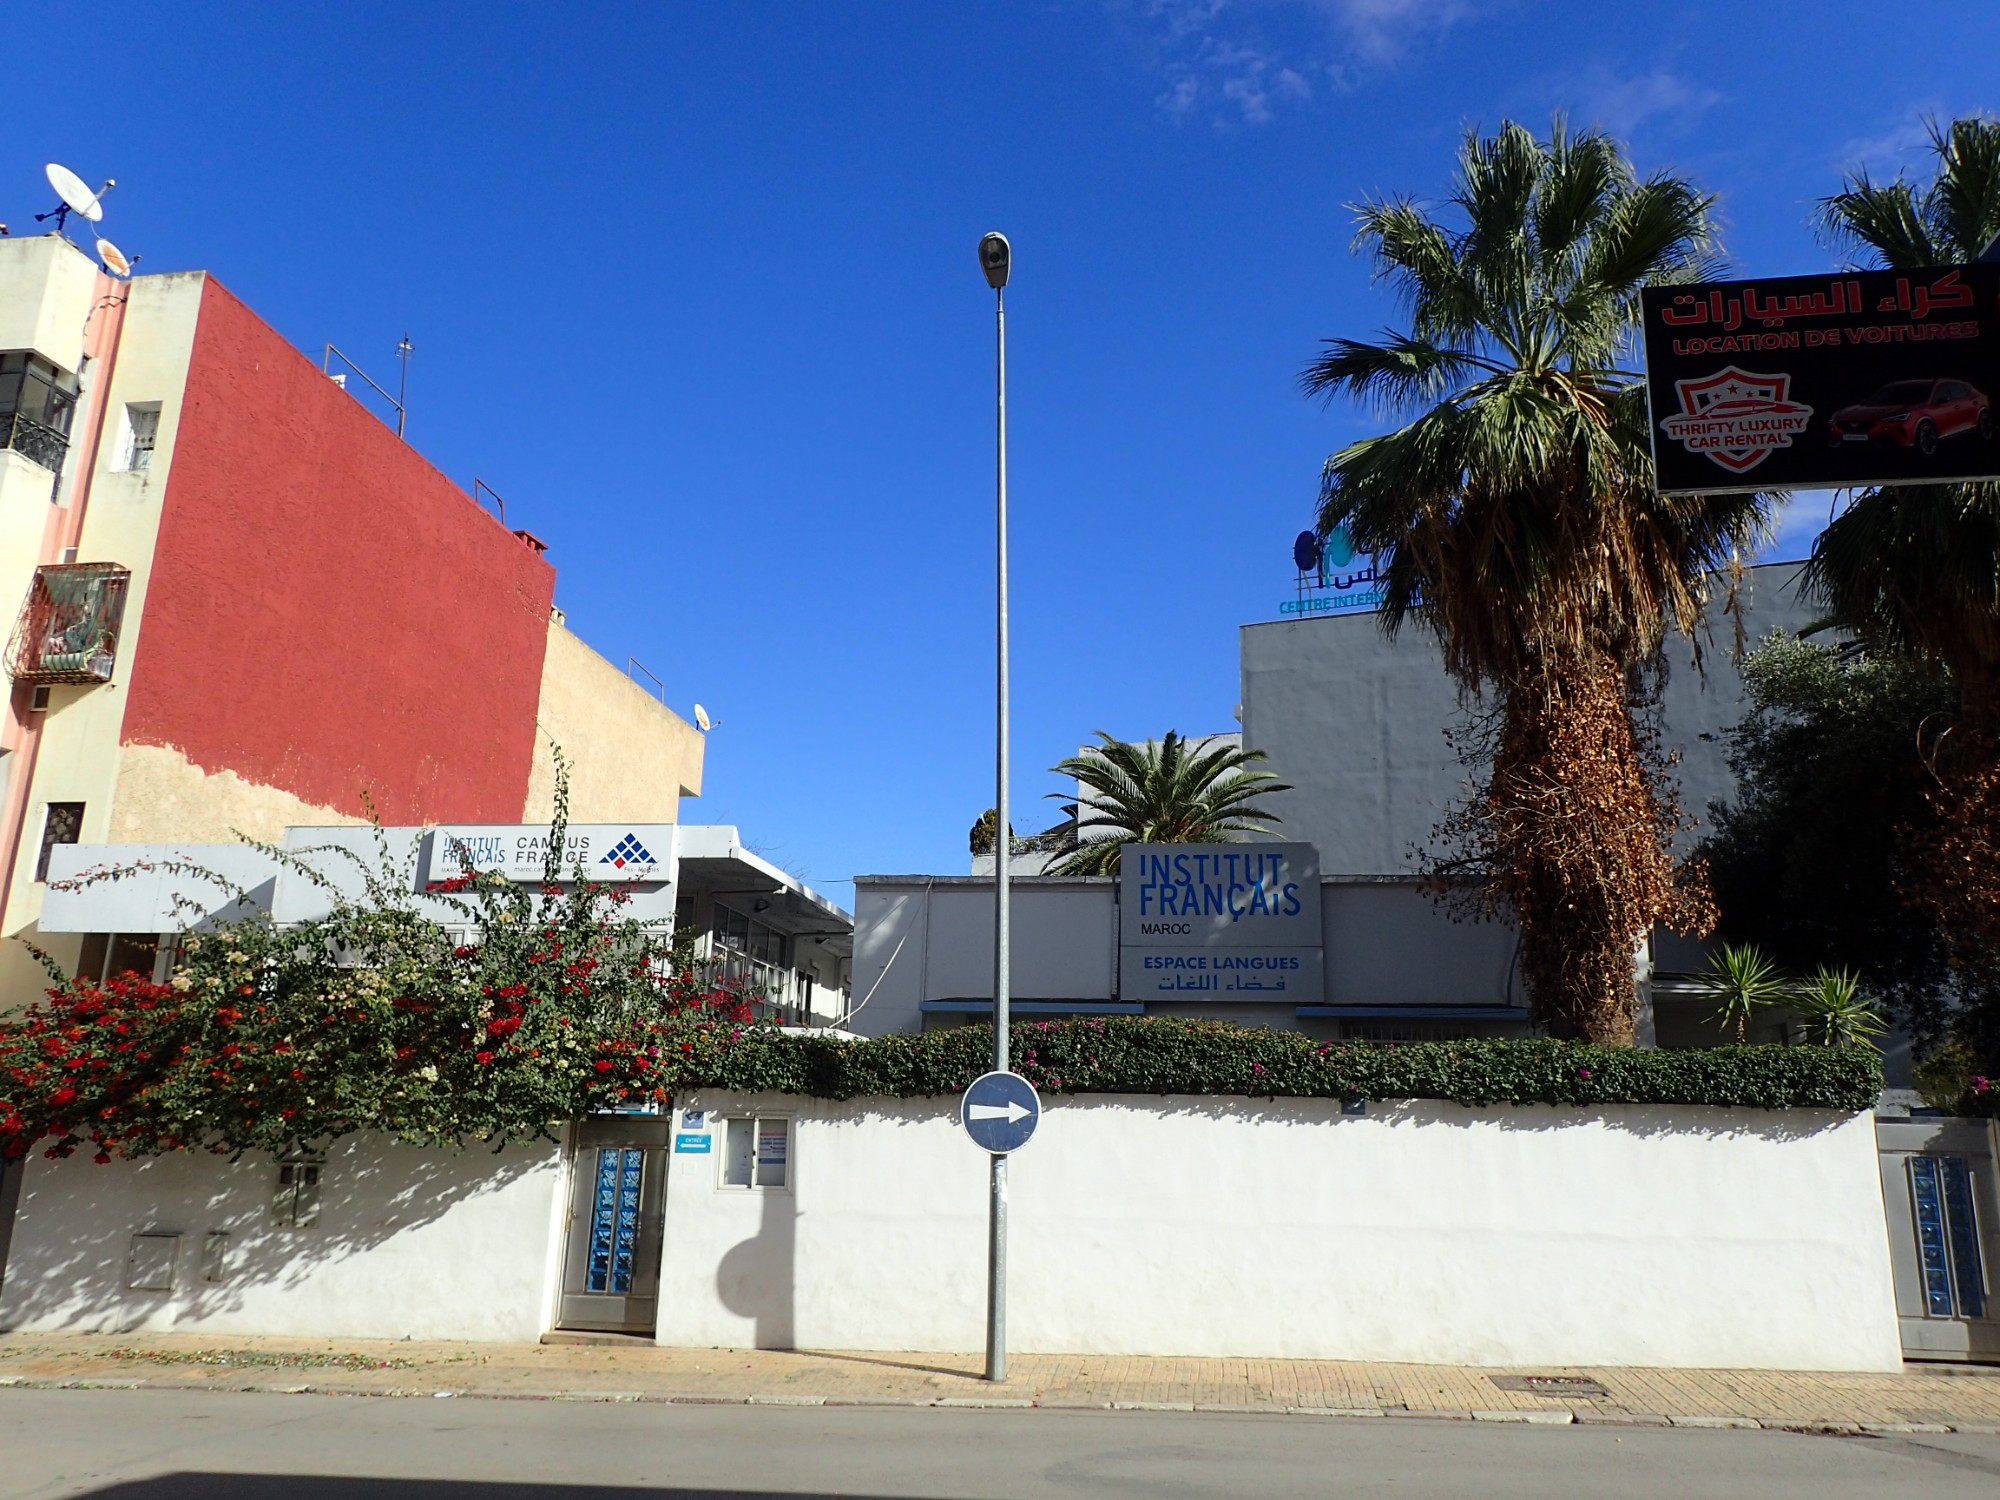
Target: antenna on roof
(701, 719)
(75, 195)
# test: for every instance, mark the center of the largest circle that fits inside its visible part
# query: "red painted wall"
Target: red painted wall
(327, 613)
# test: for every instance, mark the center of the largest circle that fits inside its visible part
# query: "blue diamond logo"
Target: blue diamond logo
(627, 851)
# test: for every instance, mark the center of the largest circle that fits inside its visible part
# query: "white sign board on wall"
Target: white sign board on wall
(606, 851)
(1220, 923)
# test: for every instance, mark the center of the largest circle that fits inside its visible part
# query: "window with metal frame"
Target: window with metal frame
(63, 824)
(142, 433)
(1948, 1258)
(37, 400)
(757, 1152)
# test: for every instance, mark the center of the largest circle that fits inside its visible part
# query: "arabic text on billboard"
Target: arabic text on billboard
(1340, 579)
(1861, 378)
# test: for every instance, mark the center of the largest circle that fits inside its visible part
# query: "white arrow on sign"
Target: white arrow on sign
(1010, 1112)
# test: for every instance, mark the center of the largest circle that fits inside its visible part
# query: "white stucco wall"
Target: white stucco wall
(920, 937)
(1356, 722)
(434, 1244)
(1420, 1232)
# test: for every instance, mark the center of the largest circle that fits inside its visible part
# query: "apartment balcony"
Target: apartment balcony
(33, 440)
(68, 628)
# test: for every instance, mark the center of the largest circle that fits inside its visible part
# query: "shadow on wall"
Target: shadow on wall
(72, 1238)
(328, 1487)
(757, 1278)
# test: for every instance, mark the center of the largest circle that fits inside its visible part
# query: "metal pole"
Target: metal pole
(403, 352)
(996, 1253)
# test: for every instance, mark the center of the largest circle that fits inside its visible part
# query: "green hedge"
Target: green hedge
(1130, 1055)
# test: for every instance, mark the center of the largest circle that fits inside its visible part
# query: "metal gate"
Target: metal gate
(1943, 1201)
(617, 1202)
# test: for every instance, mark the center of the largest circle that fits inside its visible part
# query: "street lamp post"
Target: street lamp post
(995, 258)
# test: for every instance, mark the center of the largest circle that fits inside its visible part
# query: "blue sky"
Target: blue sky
(693, 287)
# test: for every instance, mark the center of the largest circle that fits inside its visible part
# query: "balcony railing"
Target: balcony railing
(68, 629)
(33, 440)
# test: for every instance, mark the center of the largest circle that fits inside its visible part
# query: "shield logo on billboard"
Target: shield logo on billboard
(1736, 417)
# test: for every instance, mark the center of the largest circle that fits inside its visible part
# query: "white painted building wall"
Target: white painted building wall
(1420, 1232)
(930, 938)
(1355, 722)
(430, 1243)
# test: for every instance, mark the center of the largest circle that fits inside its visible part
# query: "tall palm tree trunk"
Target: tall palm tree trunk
(1576, 823)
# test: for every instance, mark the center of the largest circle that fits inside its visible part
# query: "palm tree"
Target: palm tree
(1161, 792)
(1513, 516)
(1915, 569)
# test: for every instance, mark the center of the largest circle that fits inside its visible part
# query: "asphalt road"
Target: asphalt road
(174, 1445)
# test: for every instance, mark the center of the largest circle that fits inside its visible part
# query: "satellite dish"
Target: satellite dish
(115, 260)
(77, 198)
(701, 719)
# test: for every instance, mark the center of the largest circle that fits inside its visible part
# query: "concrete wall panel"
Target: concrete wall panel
(1420, 1232)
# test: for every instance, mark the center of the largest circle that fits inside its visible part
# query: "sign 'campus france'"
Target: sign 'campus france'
(1860, 378)
(606, 851)
(1220, 922)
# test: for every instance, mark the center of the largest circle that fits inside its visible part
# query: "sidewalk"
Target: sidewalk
(1921, 1398)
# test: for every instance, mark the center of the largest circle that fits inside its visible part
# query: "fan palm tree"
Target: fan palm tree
(1161, 792)
(1513, 516)
(1915, 569)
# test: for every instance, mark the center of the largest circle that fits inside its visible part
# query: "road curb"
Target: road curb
(1557, 1417)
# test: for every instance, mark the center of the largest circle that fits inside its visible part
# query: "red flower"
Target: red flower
(482, 1058)
(61, 1097)
(603, 1065)
(103, 1158)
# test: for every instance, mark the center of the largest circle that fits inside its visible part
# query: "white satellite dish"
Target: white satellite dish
(115, 260)
(75, 192)
(701, 719)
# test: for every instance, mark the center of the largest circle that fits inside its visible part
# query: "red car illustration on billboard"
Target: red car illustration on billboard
(1913, 414)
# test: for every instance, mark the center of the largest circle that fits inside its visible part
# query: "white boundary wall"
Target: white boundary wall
(430, 1243)
(1421, 1232)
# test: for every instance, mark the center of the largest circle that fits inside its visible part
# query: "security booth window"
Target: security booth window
(757, 1152)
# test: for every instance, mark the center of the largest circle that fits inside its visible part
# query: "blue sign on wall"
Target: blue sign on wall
(692, 1145)
(1000, 1112)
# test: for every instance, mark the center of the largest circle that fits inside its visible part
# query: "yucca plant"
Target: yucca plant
(1161, 792)
(1740, 979)
(1838, 1012)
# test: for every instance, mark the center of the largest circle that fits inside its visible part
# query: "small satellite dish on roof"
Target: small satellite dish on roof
(76, 196)
(116, 261)
(701, 719)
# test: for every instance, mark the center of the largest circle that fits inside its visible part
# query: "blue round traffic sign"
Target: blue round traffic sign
(1000, 1112)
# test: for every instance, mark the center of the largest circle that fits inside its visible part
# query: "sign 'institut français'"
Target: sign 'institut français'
(1859, 378)
(1220, 922)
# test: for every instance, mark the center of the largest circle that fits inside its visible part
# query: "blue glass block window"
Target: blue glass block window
(614, 1219)
(1948, 1258)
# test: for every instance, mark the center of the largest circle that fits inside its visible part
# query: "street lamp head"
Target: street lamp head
(995, 255)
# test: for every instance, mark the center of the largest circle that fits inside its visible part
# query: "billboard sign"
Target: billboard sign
(1217, 923)
(1332, 577)
(1825, 382)
(622, 852)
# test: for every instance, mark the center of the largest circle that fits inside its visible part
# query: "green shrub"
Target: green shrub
(1149, 1055)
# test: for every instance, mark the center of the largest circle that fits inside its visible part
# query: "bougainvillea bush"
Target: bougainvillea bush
(530, 1006)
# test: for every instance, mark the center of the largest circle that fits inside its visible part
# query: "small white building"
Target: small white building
(754, 921)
